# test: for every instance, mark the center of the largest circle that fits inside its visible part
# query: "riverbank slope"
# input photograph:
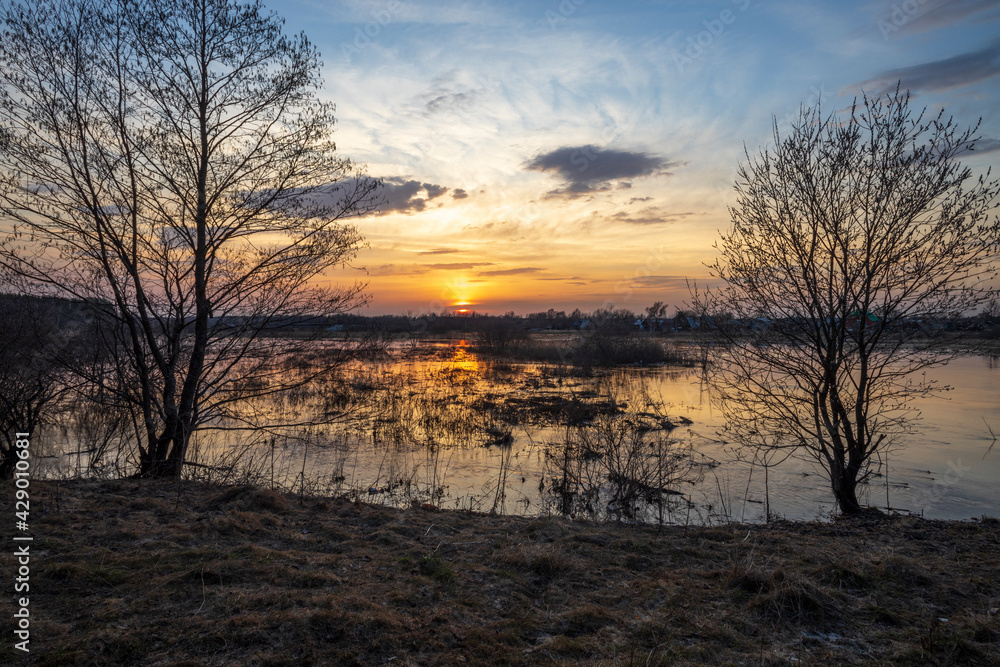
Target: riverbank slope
(126, 573)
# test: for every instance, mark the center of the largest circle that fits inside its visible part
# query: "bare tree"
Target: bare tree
(30, 378)
(655, 313)
(848, 239)
(497, 336)
(169, 163)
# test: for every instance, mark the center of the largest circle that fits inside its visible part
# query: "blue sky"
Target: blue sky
(578, 153)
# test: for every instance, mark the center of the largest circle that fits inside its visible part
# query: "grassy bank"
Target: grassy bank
(126, 573)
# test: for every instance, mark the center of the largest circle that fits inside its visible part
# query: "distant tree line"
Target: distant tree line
(682, 320)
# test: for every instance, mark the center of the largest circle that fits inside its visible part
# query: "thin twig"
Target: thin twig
(992, 434)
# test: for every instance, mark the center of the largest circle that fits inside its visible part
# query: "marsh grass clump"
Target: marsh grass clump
(248, 499)
(779, 596)
(587, 619)
(499, 336)
(538, 559)
(622, 463)
(436, 567)
(609, 349)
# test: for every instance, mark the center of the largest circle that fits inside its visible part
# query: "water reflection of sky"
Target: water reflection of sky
(944, 471)
(463, 357)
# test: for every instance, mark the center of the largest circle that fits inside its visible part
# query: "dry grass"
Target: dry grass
(125, 573)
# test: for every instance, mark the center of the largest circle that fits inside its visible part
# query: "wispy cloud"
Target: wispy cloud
(904, 18)
(511, 272)
(987, 145)
(666, 282)
(438, 251)
(457, 266)
(938, 75)
(585, 169)
(453, 92)
(390, 270)
(651, 216)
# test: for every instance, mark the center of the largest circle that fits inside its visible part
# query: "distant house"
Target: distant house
(653, 324)
(693, 322)
(856, 320)
(581, 324)
(753, 323)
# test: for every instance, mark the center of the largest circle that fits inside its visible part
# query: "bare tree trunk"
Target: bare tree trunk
(845, 491)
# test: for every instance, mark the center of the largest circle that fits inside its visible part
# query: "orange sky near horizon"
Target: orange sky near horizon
(611, 249)
(582, 154)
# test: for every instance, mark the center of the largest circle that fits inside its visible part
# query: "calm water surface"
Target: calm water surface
(431, 441)
(947, 470)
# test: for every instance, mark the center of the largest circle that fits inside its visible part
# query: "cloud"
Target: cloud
(987, 145)
(457, 266)
(434, 191)
(453, 92)
(511, 272)
(438, 251)
(585, 169)
(446, 101)
(651, 216)
(939, 75)
(390, 270)
(459, 193)
(661, 281)
(402, 196)
(896, 17)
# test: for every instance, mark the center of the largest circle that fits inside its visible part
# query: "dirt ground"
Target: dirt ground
(130, 573)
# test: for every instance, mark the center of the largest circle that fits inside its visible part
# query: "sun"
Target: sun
(460, 306)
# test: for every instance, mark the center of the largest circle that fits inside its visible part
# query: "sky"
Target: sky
(582, 154)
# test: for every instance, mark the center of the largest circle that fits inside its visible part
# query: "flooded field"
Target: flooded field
(434, 423)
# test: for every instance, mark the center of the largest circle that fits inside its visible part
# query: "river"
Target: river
(452, 430)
